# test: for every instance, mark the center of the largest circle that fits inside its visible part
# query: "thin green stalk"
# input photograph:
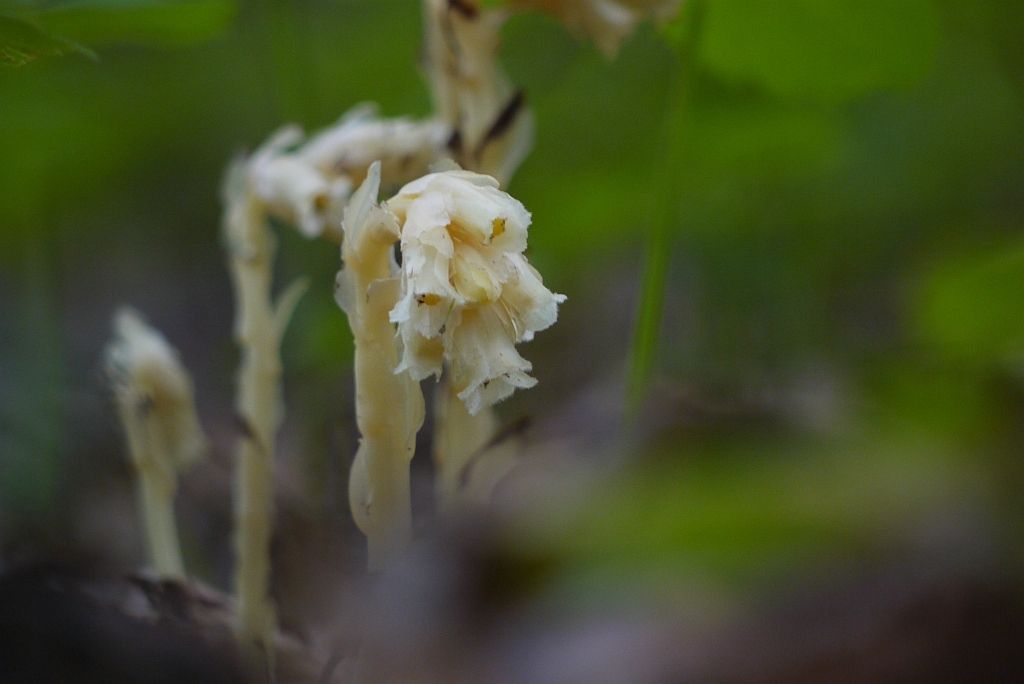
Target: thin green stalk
(663, 221)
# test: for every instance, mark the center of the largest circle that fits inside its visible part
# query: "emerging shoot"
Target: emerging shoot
(154, 401)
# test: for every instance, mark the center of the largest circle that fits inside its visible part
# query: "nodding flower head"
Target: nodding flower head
(151, 387)
(289, 187)
(607, 22)
(307, 182)
(405, 148)
(468, 295)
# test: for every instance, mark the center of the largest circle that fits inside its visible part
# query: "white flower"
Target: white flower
(298, 193)
(152, 389)
(308, 182)
(405, 148)
(607, 22)
(468, 294)
(288, 187)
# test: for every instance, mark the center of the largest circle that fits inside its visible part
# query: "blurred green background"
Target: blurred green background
(797, 222)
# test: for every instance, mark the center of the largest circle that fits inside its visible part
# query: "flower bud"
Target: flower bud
(153, 389)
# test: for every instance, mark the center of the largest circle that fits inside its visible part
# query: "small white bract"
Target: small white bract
(150, 384)
(607, 22)
(468, 295)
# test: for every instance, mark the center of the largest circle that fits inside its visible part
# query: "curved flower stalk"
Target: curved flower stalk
(307, 182)
(606, 22)
(259, 327)
(389, 406)
(468, 295)
(155, 402)
(492, 128)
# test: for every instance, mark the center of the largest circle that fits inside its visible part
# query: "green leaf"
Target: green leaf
(139, 22)
(833, 50)
(21, 42)
(970, 306)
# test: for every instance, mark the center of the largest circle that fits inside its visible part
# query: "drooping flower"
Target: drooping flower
(468, 295)
(491, 125)
(154, 395)
(404, 147)
(607, 22)
(308, 182)
(289, 187)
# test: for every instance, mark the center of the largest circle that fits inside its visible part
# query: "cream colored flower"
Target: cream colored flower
(607, 22)
(154, 400)
(405, 148)
(308, 182)
(468, 294)
(154, 395)
(291, 188)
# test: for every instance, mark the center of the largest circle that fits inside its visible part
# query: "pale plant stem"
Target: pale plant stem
(386, 456)
(457, 434)
(156, 498)
(155, 405)
(389, 406)
(156, 487)
(458, 437)
(251, 254)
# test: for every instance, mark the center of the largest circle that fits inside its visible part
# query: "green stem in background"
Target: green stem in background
(663, 221)
(647, 330)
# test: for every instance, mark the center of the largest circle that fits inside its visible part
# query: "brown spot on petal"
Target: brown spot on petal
(320, 203)
(497, 227)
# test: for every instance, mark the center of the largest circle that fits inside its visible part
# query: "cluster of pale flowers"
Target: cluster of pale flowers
(307, 182)
(607, 22)
(467, 294)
